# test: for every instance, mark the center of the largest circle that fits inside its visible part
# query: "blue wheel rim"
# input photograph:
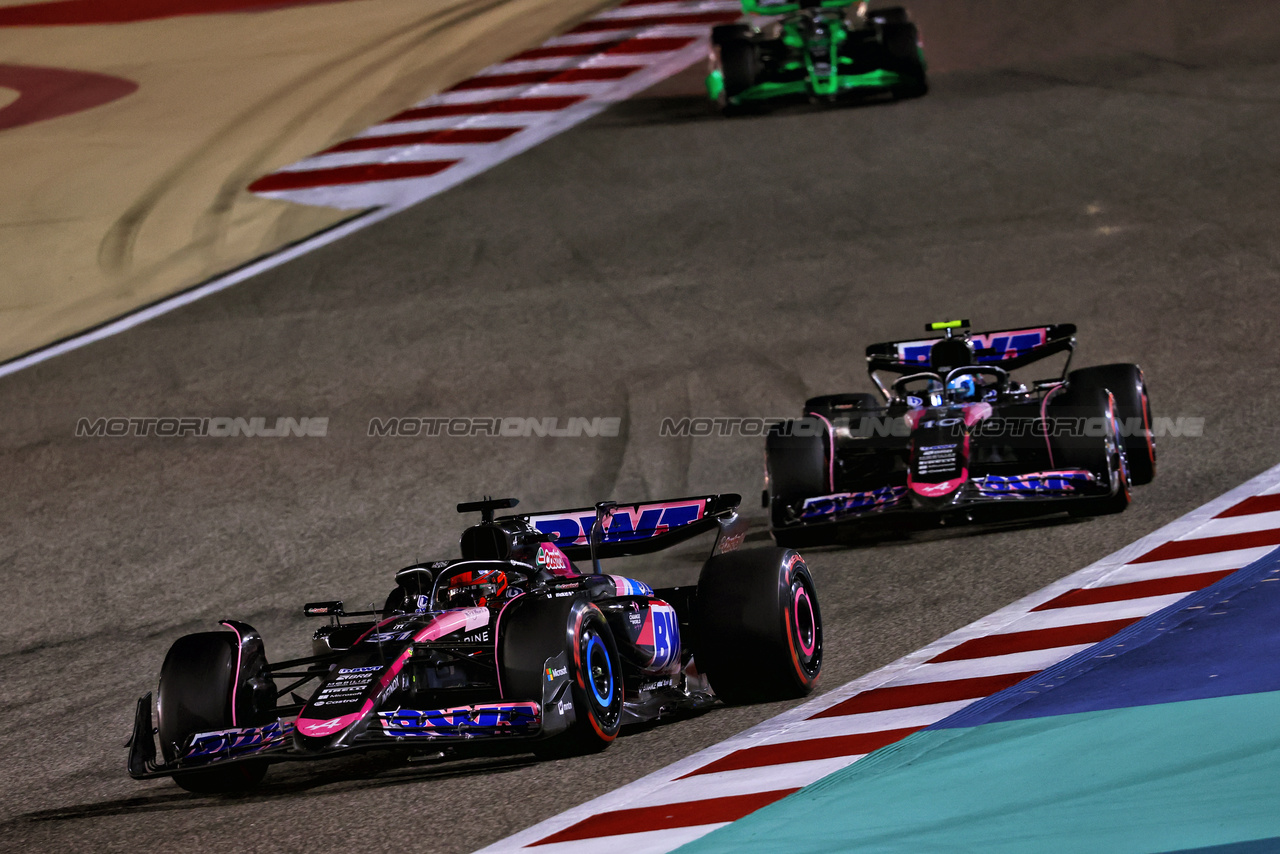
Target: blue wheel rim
(594, 645)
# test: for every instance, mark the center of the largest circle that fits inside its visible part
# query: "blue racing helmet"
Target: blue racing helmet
(963, 387)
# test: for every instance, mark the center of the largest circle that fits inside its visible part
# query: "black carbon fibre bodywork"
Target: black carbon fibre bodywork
(953, 437)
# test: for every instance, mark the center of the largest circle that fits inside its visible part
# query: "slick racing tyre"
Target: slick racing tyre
(796, 467)
(1096, 448)
(902, 55)
(539, 629)
(740, 65)
(1133, 409)
(757, 627)
(725, 33)
(888, 15)
(198, 682)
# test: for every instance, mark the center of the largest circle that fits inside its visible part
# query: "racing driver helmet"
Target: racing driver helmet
(963, 389)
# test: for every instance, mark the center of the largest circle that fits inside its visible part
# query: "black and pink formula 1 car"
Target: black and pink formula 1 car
(510, 647)
(955, 437)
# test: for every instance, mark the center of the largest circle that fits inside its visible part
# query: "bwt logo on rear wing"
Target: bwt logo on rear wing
(988, 346)
(636, 528)
(630, 522)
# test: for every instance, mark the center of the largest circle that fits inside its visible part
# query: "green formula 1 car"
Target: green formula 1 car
(821, 49)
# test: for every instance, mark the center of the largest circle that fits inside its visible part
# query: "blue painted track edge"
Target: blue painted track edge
(1124, 641)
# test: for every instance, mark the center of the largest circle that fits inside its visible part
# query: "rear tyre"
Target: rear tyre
(542, 629)
(797, 467)
(1133, 409)
(757, 626)
(197, 682)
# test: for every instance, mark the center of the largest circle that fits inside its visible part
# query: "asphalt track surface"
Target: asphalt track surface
(656, 262)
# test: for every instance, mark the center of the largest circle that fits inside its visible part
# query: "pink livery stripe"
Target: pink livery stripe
(667, 816)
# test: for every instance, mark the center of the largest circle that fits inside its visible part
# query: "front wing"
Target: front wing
(879, 80)
(391, 729)
(993, 495)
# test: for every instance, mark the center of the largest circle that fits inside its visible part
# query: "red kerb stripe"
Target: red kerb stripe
(1034, 639)
(603, 24)
(1256, 504)
(688, 814)
(508, 105)
(628, 47)
(360, 174)
(803, 751)
(653, 45)
(907, 696)
(1134, 590)
(566, 75)
(455, 136)
(1212, 545)
(566, 50)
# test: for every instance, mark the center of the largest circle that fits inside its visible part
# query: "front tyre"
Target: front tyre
(597, 679)
(797, 466)
(902, 55)
(757, 626)
(537, 630)
(737, 62)
(199, 681)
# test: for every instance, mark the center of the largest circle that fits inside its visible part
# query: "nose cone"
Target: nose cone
(935, 496)
(939, 460)
(316, 734)
(342, 702)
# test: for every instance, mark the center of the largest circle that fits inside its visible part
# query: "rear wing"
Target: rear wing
(783, 7)
(633, 529)
(1007, 348)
